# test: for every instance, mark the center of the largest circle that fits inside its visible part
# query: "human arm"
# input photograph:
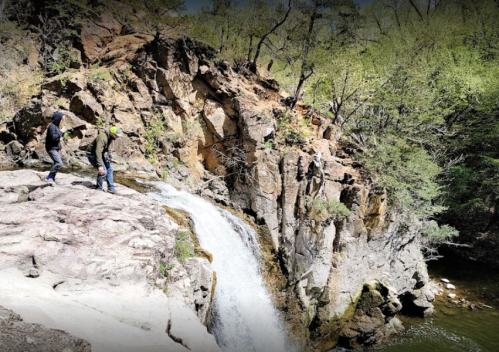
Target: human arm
(54, 134)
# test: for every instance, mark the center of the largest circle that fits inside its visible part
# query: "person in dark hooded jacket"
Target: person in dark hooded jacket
(53, 144)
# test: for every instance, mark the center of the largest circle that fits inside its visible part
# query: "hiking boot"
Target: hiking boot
(112, 191)
(50, 181)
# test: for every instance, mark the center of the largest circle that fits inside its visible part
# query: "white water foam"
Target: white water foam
(243, 315)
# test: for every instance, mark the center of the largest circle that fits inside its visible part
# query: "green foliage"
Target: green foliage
(163, 269)
(408, 173)
(323, 209)
(183, 246)
(434, 234)
(18, 82)
(100, 75)
(61, 60)
(155, 130)
(164, 173)
(291, 130)
(177, 163)
(100, 123)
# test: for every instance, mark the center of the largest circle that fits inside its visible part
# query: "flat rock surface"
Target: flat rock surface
(85, 262)
(16, 335)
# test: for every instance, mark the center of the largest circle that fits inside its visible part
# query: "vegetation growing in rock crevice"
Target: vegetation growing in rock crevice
(323, 210)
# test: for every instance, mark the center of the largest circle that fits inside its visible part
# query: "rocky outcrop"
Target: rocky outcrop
(373, 320)
(93, 264)
(17, 335)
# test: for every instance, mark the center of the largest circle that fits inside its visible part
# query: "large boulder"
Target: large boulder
(85, 105)
(125, 48)
(218, 121)
(68, 83)
(27, 119)
(372, 321)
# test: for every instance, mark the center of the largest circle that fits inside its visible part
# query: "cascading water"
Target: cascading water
(243, 315)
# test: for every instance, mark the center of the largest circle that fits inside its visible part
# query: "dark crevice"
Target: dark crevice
(173, 337)
(57, 284)
(282, 262)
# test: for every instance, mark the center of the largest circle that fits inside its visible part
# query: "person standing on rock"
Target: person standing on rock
(96, 156)
(53, 145)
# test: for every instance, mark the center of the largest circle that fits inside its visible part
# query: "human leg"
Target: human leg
(109, 175)
(56, 158)
(100, 178)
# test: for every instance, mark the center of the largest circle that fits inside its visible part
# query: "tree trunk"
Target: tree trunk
(259, 46)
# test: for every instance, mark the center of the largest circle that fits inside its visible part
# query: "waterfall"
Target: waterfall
(243, 316)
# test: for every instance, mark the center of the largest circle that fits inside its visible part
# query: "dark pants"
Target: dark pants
(56, 158)
(108, 172)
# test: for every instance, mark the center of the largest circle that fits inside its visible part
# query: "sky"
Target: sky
(195, 5)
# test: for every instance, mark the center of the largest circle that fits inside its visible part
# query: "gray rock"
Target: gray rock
(84, 105)
(14, 149)
(87, 262)
(17, 335)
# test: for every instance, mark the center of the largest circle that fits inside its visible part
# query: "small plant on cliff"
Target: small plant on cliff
(155, 130)
(321, 209)
(100, 75)
(100, 123)
(183, 246)
(61, 62)
(291, 129)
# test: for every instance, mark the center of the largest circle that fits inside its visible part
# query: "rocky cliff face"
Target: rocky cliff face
(92, 264)
(226, 133)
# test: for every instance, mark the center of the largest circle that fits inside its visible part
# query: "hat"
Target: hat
(116, 131)
(57, 114)
(57, 117)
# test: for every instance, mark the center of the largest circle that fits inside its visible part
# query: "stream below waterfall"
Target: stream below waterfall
(243, 316)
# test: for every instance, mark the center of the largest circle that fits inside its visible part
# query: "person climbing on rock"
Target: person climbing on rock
(53, 145)
(96, 151)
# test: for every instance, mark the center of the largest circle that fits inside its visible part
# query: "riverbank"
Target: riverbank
(456, 325)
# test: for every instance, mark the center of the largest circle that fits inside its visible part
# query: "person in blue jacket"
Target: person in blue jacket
(53, 144)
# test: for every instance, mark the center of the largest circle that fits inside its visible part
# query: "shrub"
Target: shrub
(327, 210)
(155, 130)
(433, 233)
(100, 75)
(183, 246)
